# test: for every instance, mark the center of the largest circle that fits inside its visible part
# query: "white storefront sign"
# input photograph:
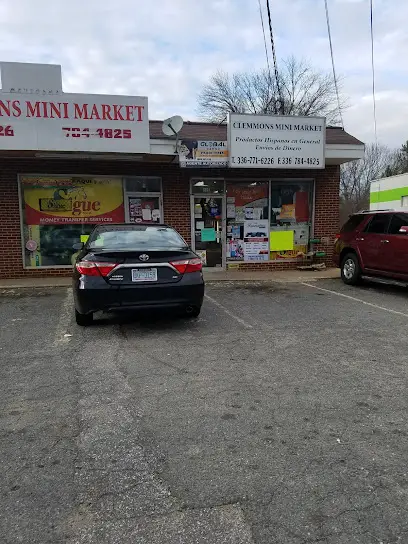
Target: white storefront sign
(43, 118)
(276, 141)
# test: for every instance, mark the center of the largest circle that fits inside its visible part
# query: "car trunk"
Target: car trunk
(140, 280)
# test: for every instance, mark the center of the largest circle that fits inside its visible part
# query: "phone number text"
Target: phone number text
(284, 161)
(74, 132)
(6, 130)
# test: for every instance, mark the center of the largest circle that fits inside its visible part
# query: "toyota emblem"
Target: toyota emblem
(144, 257)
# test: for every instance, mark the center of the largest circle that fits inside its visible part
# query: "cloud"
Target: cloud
(167, 49)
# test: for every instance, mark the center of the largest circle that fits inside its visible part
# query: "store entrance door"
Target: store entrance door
(208, 229)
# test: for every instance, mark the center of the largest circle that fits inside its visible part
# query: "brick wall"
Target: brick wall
(176, 201)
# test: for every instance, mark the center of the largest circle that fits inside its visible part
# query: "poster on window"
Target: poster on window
(143, 210)
(249, 201)
(235, 249)
(54, 200)
(230, 211)
(256, 240)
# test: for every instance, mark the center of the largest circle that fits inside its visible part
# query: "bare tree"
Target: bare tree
(301, 91)
(400, 163)
(355, 178)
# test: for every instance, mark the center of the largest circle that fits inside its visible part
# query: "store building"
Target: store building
(70, 161)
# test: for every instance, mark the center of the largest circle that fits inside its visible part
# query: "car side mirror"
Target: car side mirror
(78, 246)
(404, 230)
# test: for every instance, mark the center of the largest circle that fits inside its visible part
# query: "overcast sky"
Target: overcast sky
(167, 49)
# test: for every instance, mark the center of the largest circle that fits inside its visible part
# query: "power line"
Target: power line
(264, 37)
(373, 72)
(333, 65)
(274, 57)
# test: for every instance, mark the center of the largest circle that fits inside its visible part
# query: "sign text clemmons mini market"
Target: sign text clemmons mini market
(71, 110)
(277, 126)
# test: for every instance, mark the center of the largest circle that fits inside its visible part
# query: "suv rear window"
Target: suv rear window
(137, 237)
(353, 222)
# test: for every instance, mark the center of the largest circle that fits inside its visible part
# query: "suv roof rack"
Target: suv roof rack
(374, 211)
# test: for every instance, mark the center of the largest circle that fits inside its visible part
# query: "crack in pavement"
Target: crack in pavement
(110, 439)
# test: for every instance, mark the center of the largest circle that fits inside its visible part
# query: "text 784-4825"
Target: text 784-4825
(75, 132)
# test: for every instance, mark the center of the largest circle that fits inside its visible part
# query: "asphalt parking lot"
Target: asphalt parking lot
(279, 416)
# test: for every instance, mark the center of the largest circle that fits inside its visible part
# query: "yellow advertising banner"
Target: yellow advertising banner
(52, 200)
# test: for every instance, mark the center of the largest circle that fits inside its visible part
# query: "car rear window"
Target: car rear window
(353, 222)
(135, 238)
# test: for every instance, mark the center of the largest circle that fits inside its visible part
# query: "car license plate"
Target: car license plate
(144, 274)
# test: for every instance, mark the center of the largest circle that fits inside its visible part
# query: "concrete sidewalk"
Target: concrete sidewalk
(282, 276)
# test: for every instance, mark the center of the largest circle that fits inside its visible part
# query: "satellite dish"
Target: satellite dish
(172, 125)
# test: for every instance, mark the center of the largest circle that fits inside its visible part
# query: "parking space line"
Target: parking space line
(389, 310)
(224, 309)
(64, 319)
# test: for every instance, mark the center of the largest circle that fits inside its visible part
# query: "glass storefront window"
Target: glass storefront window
(268, 221)
(247, 221)
(209, 186)
(51, 245)
(59, 211)
(291, 219)
(143, 185)
(144, 209)
(143, 200)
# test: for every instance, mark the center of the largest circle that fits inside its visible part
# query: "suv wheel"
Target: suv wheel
(350, 269)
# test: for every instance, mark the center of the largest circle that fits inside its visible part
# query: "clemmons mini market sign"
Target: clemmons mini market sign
(71, 122)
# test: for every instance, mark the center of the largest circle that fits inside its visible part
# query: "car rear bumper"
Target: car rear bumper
(100, 296)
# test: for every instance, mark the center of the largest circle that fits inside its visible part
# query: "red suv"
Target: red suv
(373, 244)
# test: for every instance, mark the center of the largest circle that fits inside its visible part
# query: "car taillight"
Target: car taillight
(194, 265)
(90, 268)
(189, 265)
(338, 236)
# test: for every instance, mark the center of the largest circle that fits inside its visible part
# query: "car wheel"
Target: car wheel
(350, 269)
(193, 311)
(83, 320)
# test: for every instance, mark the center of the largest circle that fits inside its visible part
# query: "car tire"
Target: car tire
(83, 320)
(193, 311)
(350, 269)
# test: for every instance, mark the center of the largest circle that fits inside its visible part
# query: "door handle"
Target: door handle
(385, 241)
(359, 239)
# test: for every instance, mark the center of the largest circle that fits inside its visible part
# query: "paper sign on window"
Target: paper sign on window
(208, 235)
(282, 240)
